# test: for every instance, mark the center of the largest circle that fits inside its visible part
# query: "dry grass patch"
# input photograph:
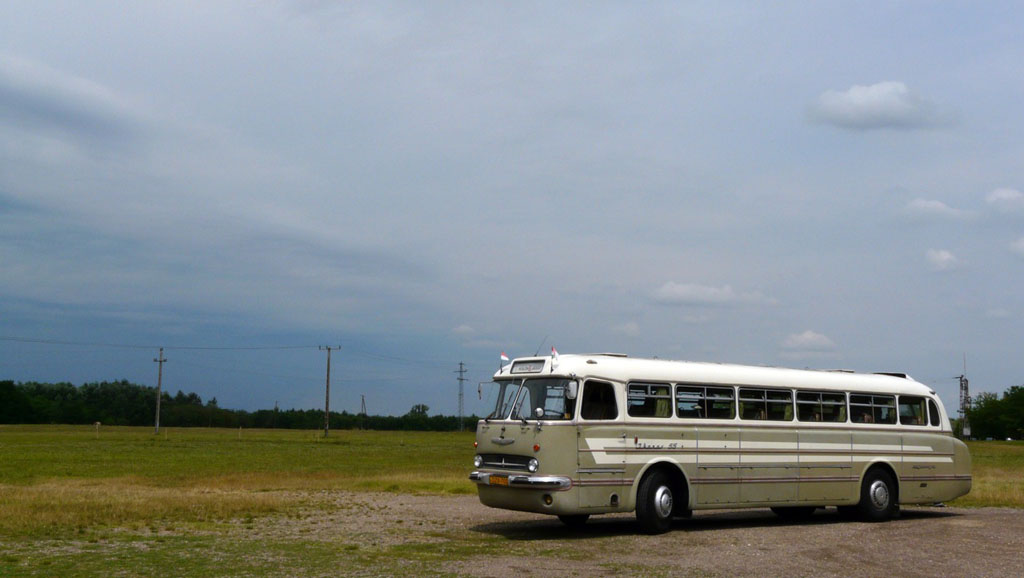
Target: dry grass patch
(60, 506)
(994, 486)
(996, 469)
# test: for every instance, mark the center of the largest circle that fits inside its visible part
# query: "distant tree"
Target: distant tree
(998, 418)
(125, 403)
(14, 405)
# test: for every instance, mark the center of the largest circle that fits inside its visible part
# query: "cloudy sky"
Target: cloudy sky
(825, 185)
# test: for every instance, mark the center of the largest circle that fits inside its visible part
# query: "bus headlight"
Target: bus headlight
(532, 465)
(478, 461)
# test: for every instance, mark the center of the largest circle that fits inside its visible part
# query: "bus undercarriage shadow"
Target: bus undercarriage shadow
(708, 521)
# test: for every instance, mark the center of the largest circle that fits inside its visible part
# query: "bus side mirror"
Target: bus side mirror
(571, 389)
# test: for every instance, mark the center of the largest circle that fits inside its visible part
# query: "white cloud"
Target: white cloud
(808, 341)
(930, 208)
(883, 105)
(672, 293)
(463, 330)
(39, 97)
(998, 314)
(942, 260)
(1018, 246)
(492, 344)
(630, 329)
(1005, 199)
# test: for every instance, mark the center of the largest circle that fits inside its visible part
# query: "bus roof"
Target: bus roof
(617, 367)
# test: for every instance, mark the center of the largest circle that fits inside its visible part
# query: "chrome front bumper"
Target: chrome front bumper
(522, 481)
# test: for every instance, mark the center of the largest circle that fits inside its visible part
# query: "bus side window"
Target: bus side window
(599, 401)
(912, 410)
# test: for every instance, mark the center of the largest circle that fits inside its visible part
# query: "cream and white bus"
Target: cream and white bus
(576, 435)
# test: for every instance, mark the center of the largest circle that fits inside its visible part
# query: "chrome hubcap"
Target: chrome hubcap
(663, 502)
(879, 494)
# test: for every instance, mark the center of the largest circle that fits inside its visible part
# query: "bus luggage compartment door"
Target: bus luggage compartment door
(601, 460)
(718, 462)
(826, 470)
(769, 470)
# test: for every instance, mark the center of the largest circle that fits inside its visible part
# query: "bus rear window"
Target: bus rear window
(933, 413)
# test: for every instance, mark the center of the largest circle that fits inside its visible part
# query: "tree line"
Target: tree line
(125, 403)
(997, 417)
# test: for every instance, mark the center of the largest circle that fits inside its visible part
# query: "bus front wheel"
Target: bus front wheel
(877, 497)
(654, 501)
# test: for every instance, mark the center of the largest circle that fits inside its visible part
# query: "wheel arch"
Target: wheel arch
(886, 467)
(680, 483)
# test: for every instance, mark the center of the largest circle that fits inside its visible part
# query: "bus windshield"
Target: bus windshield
(507, 391)
(544, 399)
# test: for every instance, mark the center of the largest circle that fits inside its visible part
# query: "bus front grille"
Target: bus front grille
(504, 462)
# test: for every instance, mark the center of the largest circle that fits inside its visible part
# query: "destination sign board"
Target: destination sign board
(535, 366)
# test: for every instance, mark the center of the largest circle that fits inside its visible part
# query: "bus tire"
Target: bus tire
(574, 520)
(654, 501)
(877, 497)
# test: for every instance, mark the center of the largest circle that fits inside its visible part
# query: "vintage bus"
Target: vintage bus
(577, 435)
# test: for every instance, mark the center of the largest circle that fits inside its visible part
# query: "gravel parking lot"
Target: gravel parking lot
(922, 542)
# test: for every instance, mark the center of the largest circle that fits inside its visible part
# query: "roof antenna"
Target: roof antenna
(536, 353)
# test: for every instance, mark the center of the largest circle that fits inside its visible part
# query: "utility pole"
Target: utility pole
(965, 407)
(159, 385)
(461, 372)
(327, 396)
(362, 412)
(965, 403)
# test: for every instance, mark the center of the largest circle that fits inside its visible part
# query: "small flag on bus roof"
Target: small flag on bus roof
(554, 352)
(503, 356)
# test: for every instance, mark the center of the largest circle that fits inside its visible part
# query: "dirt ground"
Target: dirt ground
(924, 541)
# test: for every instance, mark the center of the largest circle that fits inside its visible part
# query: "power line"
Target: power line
(437, 363)
(167, 347)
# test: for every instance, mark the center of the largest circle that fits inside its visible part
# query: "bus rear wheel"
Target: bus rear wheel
(574, 520)
(654, 502)
(877, 497)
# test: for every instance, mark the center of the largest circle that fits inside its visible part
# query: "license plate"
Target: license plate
(499, 480)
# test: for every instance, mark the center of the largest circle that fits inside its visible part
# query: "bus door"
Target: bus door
(601, 447)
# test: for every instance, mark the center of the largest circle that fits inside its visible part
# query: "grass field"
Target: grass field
(998, 470)
(60, 478)
(74, 501)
